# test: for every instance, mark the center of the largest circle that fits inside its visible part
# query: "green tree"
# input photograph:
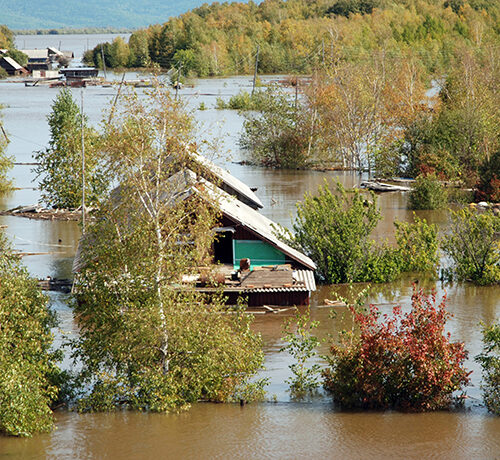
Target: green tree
(60, 164)
(139, 51)
(279, 135)
(148, 341)
(474, 247)
(334, 230)
(120, 53)
(301, 345)
(27, 365)
(428, 193)
(490, 362)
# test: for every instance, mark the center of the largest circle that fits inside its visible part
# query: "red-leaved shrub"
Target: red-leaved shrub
(405, 362)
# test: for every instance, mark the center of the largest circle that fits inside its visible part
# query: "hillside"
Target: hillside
(47, 14)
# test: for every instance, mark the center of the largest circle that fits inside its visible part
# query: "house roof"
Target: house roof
(14, 64)
(53, 50)
(185, 183)
(257, 223)
(36, 53)
(228, 180)
(237, 211)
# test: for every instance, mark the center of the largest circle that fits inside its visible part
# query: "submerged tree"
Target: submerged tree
(334, 229)
(60, 164)
(281, 134)
(474, 247)
(28, 370)
(148, 341)
(406, 361)
(490, 362)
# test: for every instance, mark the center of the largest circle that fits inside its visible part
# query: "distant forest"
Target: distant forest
(298, 35)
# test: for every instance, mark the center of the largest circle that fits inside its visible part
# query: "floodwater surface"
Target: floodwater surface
(286, 428)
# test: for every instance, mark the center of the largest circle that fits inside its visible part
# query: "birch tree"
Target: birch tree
(148, 340)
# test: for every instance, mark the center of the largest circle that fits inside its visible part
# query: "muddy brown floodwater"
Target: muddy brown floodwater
(285, 429)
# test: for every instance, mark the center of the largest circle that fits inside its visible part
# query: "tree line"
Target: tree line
(298, 35)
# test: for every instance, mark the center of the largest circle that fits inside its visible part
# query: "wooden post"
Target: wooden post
(296, 91)
(116, 99)
(177, 83)
(255, 70)
(103, 62)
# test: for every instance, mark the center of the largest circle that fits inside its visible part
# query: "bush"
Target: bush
(428, 193)
(474, 247)
(334, 230)
(243, 101)
(490, 362)
(406, 362)
(301, 345)
(417, 246)
(27, 365)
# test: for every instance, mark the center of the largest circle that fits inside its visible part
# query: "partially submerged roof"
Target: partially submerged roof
(185, 183)
(237, 211)
(14, 64)
(229, 183)
(260, 225)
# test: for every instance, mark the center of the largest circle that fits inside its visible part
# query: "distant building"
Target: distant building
(80, 73)
(47, 58)
(11, 66)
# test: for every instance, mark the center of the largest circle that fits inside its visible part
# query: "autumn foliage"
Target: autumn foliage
(405, 361)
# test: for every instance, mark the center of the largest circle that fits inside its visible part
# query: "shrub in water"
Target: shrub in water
(406, 361)
(474, 247)
(490, 362)
(428, 193)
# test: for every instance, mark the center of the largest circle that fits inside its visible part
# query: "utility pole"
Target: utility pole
(296, 91)
(83, 168)
(177, 83)
(255, 70)
(103, 62)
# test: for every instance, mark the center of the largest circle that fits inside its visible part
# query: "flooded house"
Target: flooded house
(12, 67)
(248, 258)
(251, 260)
(80, 73)
(47, 59)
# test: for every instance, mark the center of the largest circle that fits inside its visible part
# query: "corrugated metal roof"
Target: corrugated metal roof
(256, 222)
(227, 178)
(36, 53)
(182, 184)
(276, 289)
(307, 277)
(186, 180)
(13, 63)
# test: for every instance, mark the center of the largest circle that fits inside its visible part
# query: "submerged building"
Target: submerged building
(248, 257)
